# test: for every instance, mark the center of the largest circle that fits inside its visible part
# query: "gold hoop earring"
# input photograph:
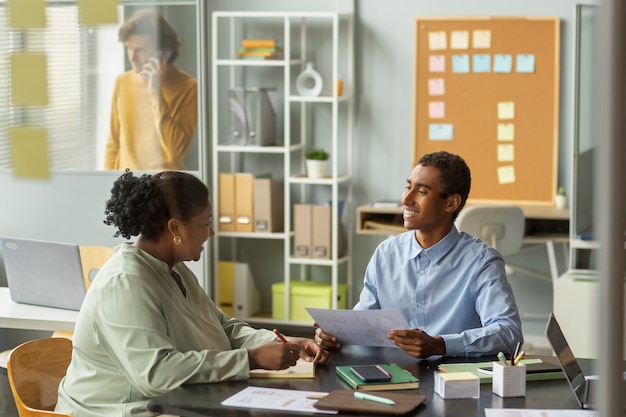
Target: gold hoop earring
(177, 240)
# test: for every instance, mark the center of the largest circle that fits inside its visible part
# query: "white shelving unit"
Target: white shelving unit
(325, 38)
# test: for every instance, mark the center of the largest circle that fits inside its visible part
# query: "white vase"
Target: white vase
(316, 168)
(560, 201)
(309, 82)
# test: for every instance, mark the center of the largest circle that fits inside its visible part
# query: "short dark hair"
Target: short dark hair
(150, 22)
(455, 175)
(145, 204)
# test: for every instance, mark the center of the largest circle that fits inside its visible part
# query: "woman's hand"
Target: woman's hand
(310, 351)
(274, 355)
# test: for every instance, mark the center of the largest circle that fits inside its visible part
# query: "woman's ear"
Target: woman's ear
(172, 226)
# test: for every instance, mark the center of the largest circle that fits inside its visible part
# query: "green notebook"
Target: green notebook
(400, 379)
(541, 375)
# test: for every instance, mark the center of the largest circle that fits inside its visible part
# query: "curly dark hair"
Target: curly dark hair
(455, 175)
(144, 204)
(150, 22)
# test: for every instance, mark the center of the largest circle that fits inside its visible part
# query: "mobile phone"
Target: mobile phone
(371, 373)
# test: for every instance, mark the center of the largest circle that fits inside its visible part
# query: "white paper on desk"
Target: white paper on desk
(276, 399)
(523, 412)
(360, 327)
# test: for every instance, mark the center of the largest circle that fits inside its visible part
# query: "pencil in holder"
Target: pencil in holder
(509, 381)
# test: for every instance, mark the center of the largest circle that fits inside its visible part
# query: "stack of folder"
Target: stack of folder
(249, 203)
(260, 49)
(237, 294)
(312, 231)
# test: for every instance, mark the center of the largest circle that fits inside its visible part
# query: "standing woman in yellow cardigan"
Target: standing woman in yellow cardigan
(154, 111)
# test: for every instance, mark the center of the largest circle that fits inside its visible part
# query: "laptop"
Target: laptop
(585, 389)
(43, 273)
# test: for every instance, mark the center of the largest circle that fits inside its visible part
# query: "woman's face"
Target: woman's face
(194, 233)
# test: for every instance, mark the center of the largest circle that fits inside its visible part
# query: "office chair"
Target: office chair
(501, 226)
(92, 258)
(35, 369)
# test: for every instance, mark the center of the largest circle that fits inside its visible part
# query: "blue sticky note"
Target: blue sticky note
(460, 63)
(525, 63)
(502, 63)
(482, 63)
(444, 131)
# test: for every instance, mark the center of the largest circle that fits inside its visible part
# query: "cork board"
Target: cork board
(487, 89)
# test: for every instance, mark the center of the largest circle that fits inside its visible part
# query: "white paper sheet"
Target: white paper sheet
(276, 399)
(522, 412)
(354, 327)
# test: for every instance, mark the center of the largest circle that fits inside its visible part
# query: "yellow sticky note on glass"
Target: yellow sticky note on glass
(506, 174)
(29, 150)
(29, 79)
(506, 110)
(459, 39)
(27, 14)
(481, 39)
(506, 131)
(437, 41)
(506, 153)
(97, 12)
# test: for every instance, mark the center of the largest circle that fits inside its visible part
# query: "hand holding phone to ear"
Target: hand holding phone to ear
(154, 69)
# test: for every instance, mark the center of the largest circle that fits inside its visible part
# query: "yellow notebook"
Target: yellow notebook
(302, 369)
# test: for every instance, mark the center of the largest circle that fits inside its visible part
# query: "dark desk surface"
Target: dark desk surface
(202, 400)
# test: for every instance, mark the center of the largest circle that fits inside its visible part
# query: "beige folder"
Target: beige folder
(244, 202)
(321, 231)
(302, 239)
(226, 202)
(268, 206)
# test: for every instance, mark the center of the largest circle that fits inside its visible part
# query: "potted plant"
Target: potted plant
(316, 161)
(560, 199)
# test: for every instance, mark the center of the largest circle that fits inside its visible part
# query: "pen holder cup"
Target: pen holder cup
(509, 381)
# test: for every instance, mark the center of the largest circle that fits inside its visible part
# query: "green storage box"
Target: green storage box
(305, 294)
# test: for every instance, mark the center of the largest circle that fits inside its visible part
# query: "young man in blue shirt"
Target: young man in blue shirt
(451, 287)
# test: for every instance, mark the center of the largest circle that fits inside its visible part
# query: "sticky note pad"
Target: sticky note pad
(97, 12)
(29, 79)
(506, 153)
(27, 14)
(502, 63)
(436, 109)
(525, 63)
(506, 174)
(29, 150)
(460, 64)
(459, 39)
(482, 63)
(506, 131)
(437, 41)
(437, 63)
(481, 39)
(443, 131)
(506, 110)
(436, 87)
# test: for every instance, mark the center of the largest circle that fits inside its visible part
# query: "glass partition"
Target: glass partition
(83, 66)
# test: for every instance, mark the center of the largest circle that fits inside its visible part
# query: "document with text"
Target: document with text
(360, 327)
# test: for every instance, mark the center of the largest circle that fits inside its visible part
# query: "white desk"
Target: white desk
(23, 316)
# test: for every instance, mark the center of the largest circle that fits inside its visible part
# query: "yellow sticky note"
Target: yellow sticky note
(29, 79)
(459, 39)
(97, 12)
(481, 39)
(437, 41)
(506, 153)
(27, 14)
(506, 174)
(29, 150)
(506, 131)
(506, 110)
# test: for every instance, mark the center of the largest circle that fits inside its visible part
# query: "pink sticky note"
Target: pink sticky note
(437, 63)
(436, 109)
(436, 87)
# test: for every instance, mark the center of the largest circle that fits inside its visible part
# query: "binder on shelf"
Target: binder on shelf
(244, 202)
(268, 206)
(321, 231)
(237, 293)
(302, 239)
(226, 204)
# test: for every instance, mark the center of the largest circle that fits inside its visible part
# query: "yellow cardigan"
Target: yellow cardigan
(147, 132)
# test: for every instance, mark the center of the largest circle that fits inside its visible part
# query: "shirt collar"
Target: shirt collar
(439, 250)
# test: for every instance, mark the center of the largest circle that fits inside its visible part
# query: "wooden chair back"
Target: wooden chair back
(92, 258)
(35, 369)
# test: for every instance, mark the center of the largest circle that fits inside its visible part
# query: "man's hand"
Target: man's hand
(418, 343)
(325, 340)
(153, 71)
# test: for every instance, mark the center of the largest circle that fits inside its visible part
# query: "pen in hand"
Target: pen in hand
(280, 336)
